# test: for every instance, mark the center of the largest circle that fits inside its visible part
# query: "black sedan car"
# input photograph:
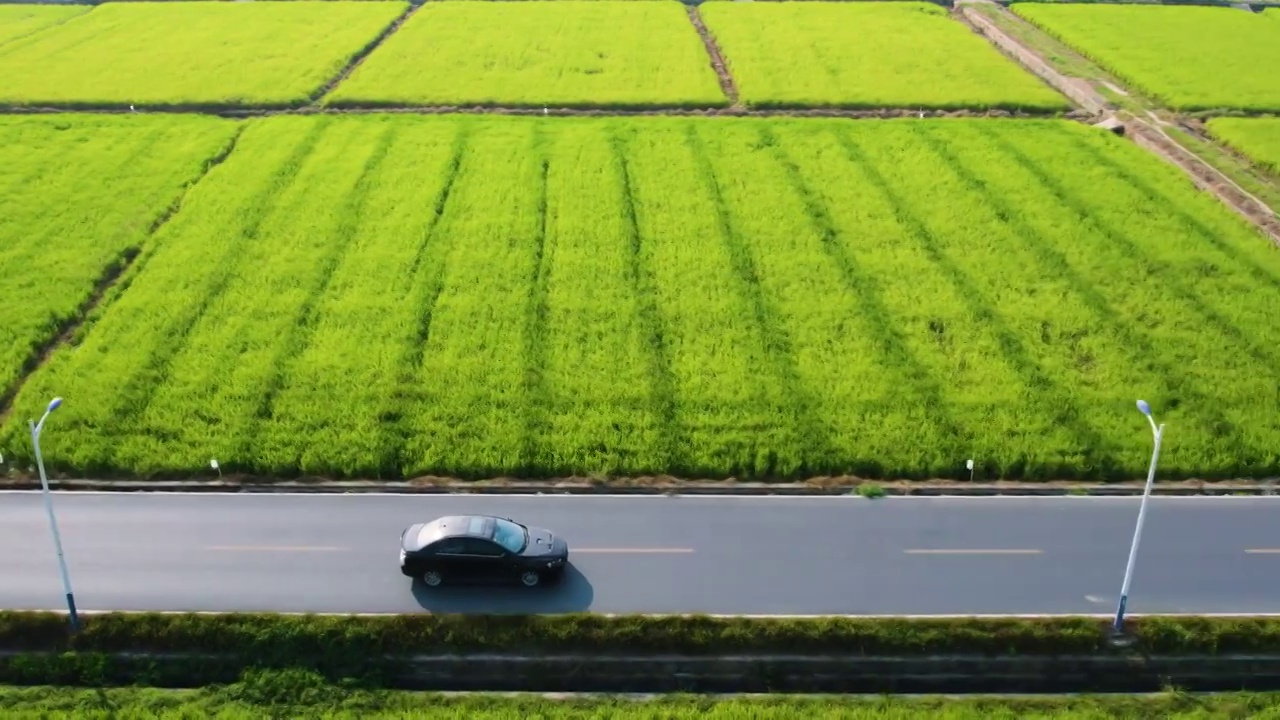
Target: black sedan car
(468, 549)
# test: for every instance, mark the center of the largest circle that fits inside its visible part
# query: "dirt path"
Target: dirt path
(727, 84)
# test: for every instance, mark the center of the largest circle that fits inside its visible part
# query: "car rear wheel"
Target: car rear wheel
(530, 578)
(431, 578)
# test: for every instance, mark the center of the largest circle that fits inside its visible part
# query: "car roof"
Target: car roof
(457, 526)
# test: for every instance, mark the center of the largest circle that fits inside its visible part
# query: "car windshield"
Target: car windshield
(511, 536)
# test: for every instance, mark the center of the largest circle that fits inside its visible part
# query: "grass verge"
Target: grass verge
(261, 694)
(304, 637)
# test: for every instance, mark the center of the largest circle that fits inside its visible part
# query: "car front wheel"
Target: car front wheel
(530, 578)
(431, 578)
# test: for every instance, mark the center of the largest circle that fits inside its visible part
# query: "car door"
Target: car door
(487, 559)
(451, 559)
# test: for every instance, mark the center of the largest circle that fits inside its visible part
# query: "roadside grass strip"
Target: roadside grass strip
(390, 295)
(565, 53)
(1190, 58)
(78, 196)
(1257, 138)
(191, 53)
(302, 693)
(865, 55)
(18, 21)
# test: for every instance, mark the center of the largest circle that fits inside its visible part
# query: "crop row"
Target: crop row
(294, 693)
(391, 295)
(1190, 58)
(534, 54)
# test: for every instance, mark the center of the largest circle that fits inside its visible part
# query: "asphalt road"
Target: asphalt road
(795, 556)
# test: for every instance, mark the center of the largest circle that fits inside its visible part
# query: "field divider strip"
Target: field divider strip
(718, 63)
(115, 276)
(362, 53)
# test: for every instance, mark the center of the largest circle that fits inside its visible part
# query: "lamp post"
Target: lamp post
(48, 507)
(1158, 432)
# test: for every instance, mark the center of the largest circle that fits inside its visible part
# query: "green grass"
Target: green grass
(17, 21)
(1257, 138)
(76, 196)
(392, 295)
(558, 53)
(867, 54)
(300, 694)
(190, 53)
(1190, 58)
(356, 641)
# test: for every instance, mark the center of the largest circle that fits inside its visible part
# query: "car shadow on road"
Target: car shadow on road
(572, 594)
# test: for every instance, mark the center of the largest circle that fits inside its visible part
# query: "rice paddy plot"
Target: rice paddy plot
(1257, 138)
(78, 194)
(190, 53)
(538, 53)
(1190, 58)
(867, 54)
(472, 296)
(18, 21)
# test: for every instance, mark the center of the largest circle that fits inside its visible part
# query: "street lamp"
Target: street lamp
(48, 506)
(1158, 432)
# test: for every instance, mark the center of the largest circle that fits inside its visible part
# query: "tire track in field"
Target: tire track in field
(1053, 401)
(868, 294)
(1154, 195)
(671, 432)
(813, 437)
(256, 213)
(1171, 279)
(535, 324)
(423, 295)
(302, 330)
(1138, 349)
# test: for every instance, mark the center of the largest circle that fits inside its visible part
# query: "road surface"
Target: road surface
(773, 555)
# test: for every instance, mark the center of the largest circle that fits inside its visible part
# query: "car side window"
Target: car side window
(451, 546)
(476, 546)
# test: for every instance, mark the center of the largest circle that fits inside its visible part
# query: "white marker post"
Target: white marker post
(969, 466)
(214, 464)
(48, 506)
(1158, 432)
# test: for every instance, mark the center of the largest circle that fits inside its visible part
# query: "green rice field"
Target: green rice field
(399, 295)
(17, 21)
(867, 54)
(1190, 58)
(571, 53)
(1257, 138)
(190, 53)
(77, 197)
